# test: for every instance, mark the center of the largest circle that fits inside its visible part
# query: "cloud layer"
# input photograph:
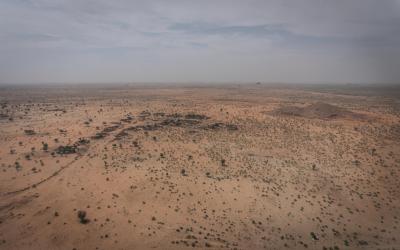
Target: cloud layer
(186, 41)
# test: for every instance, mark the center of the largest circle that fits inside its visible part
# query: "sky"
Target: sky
(294, 41)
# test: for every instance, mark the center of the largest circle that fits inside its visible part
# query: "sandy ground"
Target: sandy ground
(198, 167)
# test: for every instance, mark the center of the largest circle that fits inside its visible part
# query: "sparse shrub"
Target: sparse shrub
(98, 136)
(82, 217)
(18, 166)
(29, 132)
(313, 236)
(45, 146)
(66, 149)
(83, 141)
(223, 162)
(183, 172)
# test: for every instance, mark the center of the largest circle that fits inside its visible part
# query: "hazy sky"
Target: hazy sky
(199, 41)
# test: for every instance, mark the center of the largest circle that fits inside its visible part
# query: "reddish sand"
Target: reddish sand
(130, 167)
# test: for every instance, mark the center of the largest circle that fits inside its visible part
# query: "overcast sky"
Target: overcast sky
(199, 41)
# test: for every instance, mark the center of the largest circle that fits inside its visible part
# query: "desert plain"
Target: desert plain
(230, 166)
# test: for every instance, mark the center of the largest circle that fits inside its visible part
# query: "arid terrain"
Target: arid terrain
(252, 166)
